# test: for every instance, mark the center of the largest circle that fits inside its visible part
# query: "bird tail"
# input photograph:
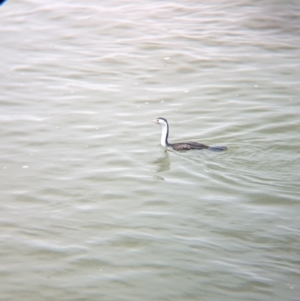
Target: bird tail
(217, 148)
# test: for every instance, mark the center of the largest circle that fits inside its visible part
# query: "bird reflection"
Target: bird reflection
(163, 163)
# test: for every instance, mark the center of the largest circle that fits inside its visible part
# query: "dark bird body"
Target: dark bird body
(187, 145)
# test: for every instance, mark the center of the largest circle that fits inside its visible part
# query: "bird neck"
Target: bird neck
(164, 135)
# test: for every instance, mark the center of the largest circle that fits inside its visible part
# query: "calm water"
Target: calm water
(92, 208)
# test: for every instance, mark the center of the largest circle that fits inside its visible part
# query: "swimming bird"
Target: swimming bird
(181, 145)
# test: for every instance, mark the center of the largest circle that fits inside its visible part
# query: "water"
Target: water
(92, 208)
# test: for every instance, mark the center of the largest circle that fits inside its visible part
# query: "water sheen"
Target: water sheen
(92, 207)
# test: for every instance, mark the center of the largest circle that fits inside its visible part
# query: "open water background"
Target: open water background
(91, 206)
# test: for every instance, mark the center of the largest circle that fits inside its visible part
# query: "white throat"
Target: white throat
(164, 133)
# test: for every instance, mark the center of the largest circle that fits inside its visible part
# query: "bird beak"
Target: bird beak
(154, 121)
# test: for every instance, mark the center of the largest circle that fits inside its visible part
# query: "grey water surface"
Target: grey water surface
(92, 207)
